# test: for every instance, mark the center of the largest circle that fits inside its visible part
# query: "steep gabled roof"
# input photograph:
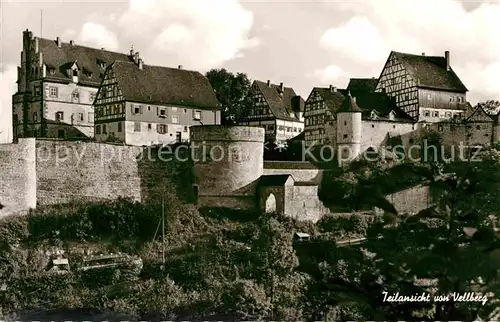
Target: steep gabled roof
(332, 99)
(478, 114)
(164, 85)
(282, 106)
(430, 72)
(359, 86)
(62, 58)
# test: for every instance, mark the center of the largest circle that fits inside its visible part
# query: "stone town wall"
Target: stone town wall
(17, 177)
(411, 200)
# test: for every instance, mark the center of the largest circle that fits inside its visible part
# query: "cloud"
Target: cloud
(430, 26)
(198, 34)
(331, 74)
(97, 35)
(8, 86)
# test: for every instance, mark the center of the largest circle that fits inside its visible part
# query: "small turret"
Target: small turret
(348, 130)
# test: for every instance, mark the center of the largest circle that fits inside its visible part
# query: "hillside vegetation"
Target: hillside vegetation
(226, 264)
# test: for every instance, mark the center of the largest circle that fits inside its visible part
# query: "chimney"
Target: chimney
(71, 42)
(333, 89)
(268, 83)
(36, 45)
(179, 67)
(140, 63)
(58, 42)
(447, 57)
(282, 88)
(423, 54)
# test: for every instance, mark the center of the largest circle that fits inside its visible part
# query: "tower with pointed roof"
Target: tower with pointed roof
(348, 130)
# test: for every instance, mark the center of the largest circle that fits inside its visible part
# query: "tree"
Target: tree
(491, 107)
(448, 250)
(233, 92)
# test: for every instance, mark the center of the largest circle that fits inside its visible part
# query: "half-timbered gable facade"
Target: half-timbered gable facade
(146, 105)
(425, 87)
(56, 87)
(278, 109)
(319, 115)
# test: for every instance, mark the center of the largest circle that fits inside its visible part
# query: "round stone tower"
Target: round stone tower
(228, 163)
(348, 131)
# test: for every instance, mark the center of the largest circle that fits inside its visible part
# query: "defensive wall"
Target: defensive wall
(46, 172)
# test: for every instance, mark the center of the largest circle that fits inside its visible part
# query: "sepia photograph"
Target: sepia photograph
(249, 160)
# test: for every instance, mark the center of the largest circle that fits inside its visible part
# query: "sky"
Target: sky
(300, 43)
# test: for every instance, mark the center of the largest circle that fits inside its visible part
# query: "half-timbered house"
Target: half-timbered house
(56, 87)
(425, 87)
(278, 109)
(319, 115)
(146, 105)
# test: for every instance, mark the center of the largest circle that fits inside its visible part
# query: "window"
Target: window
(436, 114)
(478, 127)
(59, 116)
(162, 128)
(75, 72)
(92, 97)
(451, 99)
(75, 95)
(174, 109)
(104, 130)
(345, 122)
(137, 127)
(80, 117)
(345, 136)
(185, 129)
(53, 91)
(373, 125)
(97, 129)
(37, 91)
(185, 110)
(197, 115)
(119, 126)
(136, 109)
(162, 112)
(427, 113)
(149, 127)
(149, 108)
(440, 128)
(447, 114)
(175, 119)
(411, 141)
(35, 117)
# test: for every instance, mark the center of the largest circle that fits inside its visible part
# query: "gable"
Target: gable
(479, 115)
(394, 76)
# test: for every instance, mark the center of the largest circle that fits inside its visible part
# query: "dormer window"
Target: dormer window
(101, 63)
(392, 115)
(373, 115)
